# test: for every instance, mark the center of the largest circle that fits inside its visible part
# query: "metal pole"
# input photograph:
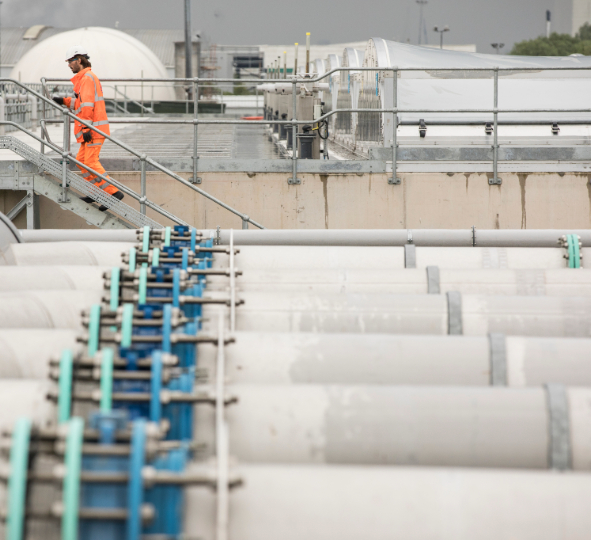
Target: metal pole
(256, 92)
(142, 101)
(285, 64)
(188, 47)
(394, 180)
(143, 187)
(307, 53)
(196, 179)
(44, 92)
(66, 148)
(295, 63)
(496, 179)
(294, 141)
(30, 209)
(245, 223)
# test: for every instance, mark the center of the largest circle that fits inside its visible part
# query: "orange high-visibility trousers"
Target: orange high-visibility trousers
(89, 155)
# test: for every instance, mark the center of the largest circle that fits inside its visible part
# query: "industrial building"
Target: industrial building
(355, 304)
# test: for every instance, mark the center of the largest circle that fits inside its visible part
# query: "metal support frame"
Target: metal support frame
(18, 208)
(294, 144)
(196, 178)
(143, 187)
(65, 161)
(495, 180)
(394, 179)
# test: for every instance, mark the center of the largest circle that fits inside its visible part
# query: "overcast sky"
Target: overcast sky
(252, 22)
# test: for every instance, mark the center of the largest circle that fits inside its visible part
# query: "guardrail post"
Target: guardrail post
(42, 121)
(196, 179)
(65, 154)
(245, 222)
(394, 180)
(294, 145)
(495, 180)
(143, 187)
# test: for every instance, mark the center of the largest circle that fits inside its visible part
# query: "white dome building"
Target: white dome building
(113, 54)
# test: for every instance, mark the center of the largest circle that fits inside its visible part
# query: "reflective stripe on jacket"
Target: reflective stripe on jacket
(89, 104)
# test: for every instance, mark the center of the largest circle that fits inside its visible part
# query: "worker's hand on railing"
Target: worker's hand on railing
(59, 100)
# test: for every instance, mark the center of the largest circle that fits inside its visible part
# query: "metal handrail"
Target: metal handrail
(143, 157)
(395, 110)
(118, 185)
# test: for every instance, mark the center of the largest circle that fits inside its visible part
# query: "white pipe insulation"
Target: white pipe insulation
(453, 313)
(379, 503)
(302, 358)
(25, 354)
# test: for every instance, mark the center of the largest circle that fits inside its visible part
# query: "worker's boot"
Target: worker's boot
(118, 195)
(87, 199)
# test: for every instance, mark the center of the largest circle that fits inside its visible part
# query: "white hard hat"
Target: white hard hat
(76, 50)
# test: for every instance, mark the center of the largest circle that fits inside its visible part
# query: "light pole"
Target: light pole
(441, 32)
(421, 4)
(497, 46)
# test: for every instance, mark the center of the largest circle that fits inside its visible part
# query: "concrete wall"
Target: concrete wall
(423, 200)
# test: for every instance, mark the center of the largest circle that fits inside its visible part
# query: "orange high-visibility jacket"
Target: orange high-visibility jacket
(89, 104)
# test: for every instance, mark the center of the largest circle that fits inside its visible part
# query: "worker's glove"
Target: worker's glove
(59, 100)
(87, 136)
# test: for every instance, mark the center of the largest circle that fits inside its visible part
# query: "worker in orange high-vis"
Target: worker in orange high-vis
(88, 105)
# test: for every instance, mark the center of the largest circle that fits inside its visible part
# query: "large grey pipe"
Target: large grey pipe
(379, 424)
(564, 282)
(452, 313)
(25, 354)
(45, 309)
(375, 503)
(393, 258)
(303, 358)
(65, 254)
(406, 425)
(304, 257)
(432, 280)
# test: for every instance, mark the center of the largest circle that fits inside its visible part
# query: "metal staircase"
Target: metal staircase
(48, 184)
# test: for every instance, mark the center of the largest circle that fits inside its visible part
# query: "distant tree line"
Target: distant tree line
(556, 44)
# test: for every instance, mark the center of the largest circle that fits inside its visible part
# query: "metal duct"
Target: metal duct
(349, 503)
(302, 358)
(45, 309)
(563, 282)
(412, 314)
(25, 354)
(65, 254)
(404, 425)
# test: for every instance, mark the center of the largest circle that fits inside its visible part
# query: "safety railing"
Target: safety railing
(195, 83)
(144, 159)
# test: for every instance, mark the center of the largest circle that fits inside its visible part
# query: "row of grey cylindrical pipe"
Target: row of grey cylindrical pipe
(452, 313)
(343, 237)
